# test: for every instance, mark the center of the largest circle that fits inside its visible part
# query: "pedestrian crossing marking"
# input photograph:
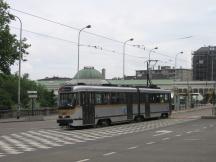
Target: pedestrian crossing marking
(19, 144)
(33, 140)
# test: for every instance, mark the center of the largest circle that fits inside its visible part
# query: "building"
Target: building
(166, 72)
(88, 76)
(204, 65)
(53, 83)
(183, 90)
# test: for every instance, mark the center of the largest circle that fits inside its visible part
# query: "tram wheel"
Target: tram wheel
(139, 118)
(104, 122)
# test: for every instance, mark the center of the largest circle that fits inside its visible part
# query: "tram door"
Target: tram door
(129, 100)
(147, 106)
(88, 108)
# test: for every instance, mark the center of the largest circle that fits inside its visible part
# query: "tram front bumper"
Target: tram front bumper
(64, 122)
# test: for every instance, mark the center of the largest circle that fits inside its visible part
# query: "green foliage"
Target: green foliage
(9, 45)
(8, 92)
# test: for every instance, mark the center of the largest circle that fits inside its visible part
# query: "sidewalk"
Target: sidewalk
(209, 106)
(54, 117)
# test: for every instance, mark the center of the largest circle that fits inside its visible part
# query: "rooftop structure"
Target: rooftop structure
(204, 66)
(166, 72)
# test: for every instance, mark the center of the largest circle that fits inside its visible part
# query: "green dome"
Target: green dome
(89, 73)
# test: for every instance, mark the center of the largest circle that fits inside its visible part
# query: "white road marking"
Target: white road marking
(1, 155)
(196, 130)
(18, 143)
(178, 135)
(30, 141)
(162, 132)
(43, 140)
(8, 148)
(189, 132)
(204, 127)
(58, 137)
(83, 160)
(70, 134)
(90, 137)
(192, 139)
(150, 143)
(109, 153)
(59, 134)
(52, 138)
(134, 147)
(167, 138)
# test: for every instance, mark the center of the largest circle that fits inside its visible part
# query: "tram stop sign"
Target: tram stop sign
(32, 94)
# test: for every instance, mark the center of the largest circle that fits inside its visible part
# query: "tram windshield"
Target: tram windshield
(67, 100)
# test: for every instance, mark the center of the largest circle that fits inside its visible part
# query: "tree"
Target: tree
(8, 92)
(9, 44)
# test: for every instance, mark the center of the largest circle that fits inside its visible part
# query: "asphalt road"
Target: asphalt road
(183, 138)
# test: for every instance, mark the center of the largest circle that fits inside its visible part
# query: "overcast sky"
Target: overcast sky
(171, 25)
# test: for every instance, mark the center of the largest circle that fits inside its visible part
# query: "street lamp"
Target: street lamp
(124, 44)
(175, 89)
(88, 26)
(151, 51)
(148, 65)
(176, 62)
(20, 57)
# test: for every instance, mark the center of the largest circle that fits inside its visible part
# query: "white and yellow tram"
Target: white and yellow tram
(98, 105)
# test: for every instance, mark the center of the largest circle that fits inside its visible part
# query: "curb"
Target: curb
(191, 109)
(208, 117)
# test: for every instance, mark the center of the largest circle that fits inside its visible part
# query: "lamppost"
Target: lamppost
(151, 51)
(175, 89)
(124, 55)
(176, 62)
(148, 65)
(88, 26)
(20, 57)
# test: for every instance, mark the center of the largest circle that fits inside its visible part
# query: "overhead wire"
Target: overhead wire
(75, 43)
(142, 47)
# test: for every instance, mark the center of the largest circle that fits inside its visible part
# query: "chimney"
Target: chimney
(104, 73)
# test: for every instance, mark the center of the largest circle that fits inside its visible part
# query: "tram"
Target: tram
(82, 105)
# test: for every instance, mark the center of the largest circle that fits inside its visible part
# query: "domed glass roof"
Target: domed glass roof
(88, 73)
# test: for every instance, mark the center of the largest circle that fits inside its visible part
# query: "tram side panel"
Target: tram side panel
(159, 104)
(110, 106)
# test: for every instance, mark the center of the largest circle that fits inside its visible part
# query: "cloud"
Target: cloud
(150, 23)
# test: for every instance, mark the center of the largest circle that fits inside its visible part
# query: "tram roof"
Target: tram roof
(116, 89)
(102, 89)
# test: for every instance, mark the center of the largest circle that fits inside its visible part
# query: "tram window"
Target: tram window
(135, 98)
(118, 98)
(106, 98)
(102, 98)
(158, 98)
(122, 98)
(154, 98)
(142, 98)
(114, 98)
(98, 98)
(68, 99)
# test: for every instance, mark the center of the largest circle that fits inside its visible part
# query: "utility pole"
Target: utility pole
(148, 72)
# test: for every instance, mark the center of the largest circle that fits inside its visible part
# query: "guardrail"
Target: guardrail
(5, 114)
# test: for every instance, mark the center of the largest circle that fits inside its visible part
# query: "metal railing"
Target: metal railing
(5, 114)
